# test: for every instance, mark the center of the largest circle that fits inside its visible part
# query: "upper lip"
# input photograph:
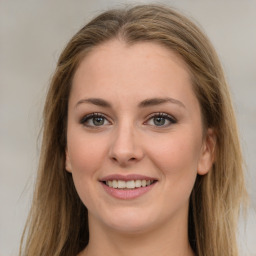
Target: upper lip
(127, 177)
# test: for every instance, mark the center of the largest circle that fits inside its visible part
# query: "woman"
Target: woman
(140, 152)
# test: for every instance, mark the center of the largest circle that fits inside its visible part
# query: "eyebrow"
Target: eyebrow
(158, 101)
(145, 103)
(95, 101)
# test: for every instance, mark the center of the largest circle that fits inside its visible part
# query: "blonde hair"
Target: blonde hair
(57, 224)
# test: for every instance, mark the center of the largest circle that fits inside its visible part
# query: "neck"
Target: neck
(169, 240)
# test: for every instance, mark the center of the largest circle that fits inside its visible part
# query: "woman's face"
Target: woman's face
(135, 138)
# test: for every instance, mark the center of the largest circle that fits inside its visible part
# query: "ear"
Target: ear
(207, 156)
(68, 163)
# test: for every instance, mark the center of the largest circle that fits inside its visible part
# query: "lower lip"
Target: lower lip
(127, 194)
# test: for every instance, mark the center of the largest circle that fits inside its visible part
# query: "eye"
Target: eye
(161, 120)
(94, 120)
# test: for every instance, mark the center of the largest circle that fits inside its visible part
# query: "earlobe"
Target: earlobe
(207, 156)
(68, 164)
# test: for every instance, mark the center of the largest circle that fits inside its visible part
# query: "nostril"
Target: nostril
(131, 159)
(113, 158)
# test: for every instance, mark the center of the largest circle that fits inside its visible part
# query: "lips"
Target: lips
(127, 186)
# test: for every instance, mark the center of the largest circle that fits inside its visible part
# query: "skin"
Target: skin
(128, 141)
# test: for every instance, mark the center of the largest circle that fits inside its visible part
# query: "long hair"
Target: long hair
(57, 223)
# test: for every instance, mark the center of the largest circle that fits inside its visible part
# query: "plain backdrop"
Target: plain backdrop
(32, 35)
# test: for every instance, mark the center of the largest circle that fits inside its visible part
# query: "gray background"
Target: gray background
(32, 35)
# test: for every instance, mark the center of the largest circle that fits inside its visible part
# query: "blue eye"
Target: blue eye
(161, 120)
(94, 120)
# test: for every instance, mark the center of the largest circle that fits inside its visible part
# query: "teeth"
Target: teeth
(137, 183)
(121, 184)
(131, 184)
(114, 183)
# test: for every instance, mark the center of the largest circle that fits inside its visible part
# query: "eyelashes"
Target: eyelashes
(97, 120)
(94, 120)
(161, 120)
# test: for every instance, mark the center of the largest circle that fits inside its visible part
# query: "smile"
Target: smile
(127, 187)
(130, 184)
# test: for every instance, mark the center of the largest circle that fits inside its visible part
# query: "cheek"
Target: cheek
(85, 158)
(178, 151)
(85, 153)
(176, 157)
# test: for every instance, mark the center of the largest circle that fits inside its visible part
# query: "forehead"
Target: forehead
(115, 57)
(117, 52)
(143, 69)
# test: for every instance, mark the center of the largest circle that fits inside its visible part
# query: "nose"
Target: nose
(125, 148)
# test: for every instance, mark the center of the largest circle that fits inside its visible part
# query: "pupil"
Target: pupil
(98, 121)
(159, 121)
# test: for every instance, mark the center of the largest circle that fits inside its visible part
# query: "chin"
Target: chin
(129, 221)
(131, 227)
